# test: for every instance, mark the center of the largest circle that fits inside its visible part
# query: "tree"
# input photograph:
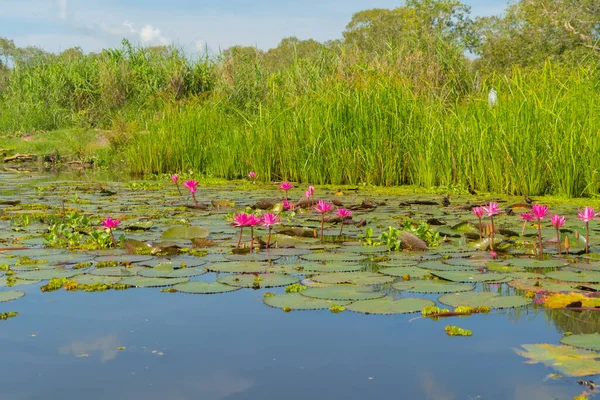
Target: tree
(532, 31)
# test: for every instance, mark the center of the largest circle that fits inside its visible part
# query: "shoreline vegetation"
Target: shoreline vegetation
(394, 102)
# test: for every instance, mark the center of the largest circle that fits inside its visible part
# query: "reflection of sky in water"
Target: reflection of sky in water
(231, 346)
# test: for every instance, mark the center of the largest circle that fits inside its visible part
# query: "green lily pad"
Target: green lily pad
(476, 299)
(571, 276)
(438, 265)
(430, 286)
(252, 257)
(170, 272)
(94, 279)
(10, 295)
(141, 281)
(117, 271)
(355, 278)
(364, 249)
(322, 256)
(413, 272)
(238, 267)
(265, 281)
(584, 341)
(295, 301)
(387, 305)
(123, 259)
(47, 274)
(542, 284)
(185, 232)
(469, 276)
(201, 287)
(565, 359)
(530, 263)
(342, 292)
(17, 282)
(308, 268)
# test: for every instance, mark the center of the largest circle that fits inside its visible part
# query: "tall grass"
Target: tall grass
(541, 138)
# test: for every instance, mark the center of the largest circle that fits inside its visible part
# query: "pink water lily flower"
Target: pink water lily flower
(240, 220)
(175, 178)
(558, 221)
(252, 175)
(323, 207)
(192, 187)
(311, 190)
(539, 212)
(527, 217)
(268, 220)
(491, 209)
(586, 216)
(307, 194)
(285, 186)
(287, 205)
(110, 224)
(343, 213)
(477, 212)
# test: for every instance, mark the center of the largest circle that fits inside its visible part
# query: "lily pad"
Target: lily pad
(307, 268)
(263, 281)
(387, 305)
(295, 301)
(17, 282)
(355, 278)
(117, 271)
(413, 272)
(185, 232)
(430, 286)
(253, 257)
(123, 259)
(238, 267)
(201, 287)
(141, 281)
(530, 263)
(571, 276)
(542, 284)
(323, 256)
(476, 299)
(583, 341)
(94, 279)
(10, 295)
(438, 265)
(47, 274)
(469, 276)
(565, 359)
(342, 292)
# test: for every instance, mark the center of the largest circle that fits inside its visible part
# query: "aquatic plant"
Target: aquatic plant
(192, 186)
(240, 220)
(526, 217)
(323, 208)
(295, 288)
(311, 193)
(268, 220)
(111, 224)
(343, 213)
(175, 180)
(456, 331)
(588, 214)
(491, 210)
(557, 222)
(287, 205)
(335, 308)
(7, 315)
(539, 212)
(285, 186)
(252, 176)
(478, 212)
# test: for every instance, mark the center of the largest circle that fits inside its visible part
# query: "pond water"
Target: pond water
(145, 343)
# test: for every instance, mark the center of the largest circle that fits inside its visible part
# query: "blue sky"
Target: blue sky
(57, 25)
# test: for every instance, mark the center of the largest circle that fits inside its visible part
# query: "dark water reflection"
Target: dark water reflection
(232, 346)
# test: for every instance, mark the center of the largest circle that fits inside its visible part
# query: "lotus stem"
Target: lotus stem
(523, 230)
(195, 201)
(322, 224)
(493, 235)
(251, 238)
(480, 230)
(541, 253)
(240, 239)
(342, 226)
(178, 188)
(558, 241)
(112, 237)
(269, 239)
(587, 237)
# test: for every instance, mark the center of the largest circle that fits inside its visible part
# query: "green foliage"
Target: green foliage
(336, 308)
(7, 315)
(456, 331)
(295, 288)
(424, 232)
(433, 310)
(391, 236)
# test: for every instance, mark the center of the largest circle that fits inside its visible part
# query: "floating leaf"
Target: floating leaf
(117, 271)
(333, 257)
(387, 305)
(263, 281)
(140, 281)
(238, 267)
(565, 359)
(201, 287)
(252, 257)
(476, 299)
(583, 341)
(185, 232)
(342, 292)
(94, 279)
(295, 301)
(413, 272)
(430, 286)
(10, 295)
(170, 272)
(355, 278)
(571, 276)
(472, 276)
(47, 274)
(530, 263)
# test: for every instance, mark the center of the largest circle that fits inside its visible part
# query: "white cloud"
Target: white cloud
(152, 35)
(148, 35)
(62, 9)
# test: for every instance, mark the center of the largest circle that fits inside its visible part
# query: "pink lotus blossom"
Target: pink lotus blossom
(307, 194)
(323, 207)
(343, 213)
(110, 223)
(478, 212)
(175, 178)
(285, 186)
(557, 221)
(311, 190)
(491, 209)
(493, 254)
(240, 220)
(539, 212)
(527, 217)
(587, 214)
(253, 220)
(191, 185)
(251, 174)
(270, 219)
(287, 205)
